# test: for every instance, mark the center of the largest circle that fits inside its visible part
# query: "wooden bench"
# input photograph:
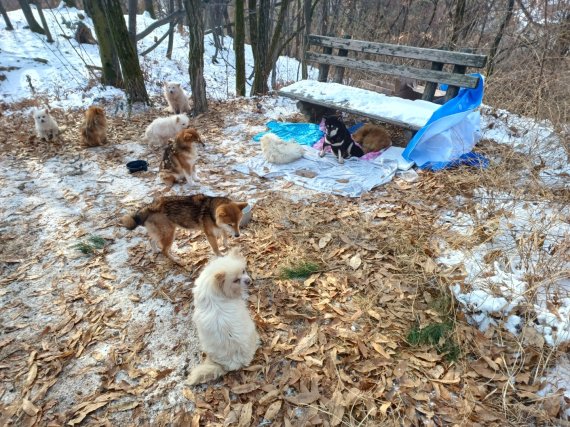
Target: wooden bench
(321, 95)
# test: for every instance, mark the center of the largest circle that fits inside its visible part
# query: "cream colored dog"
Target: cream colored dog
(46, 126)
(163, 128)
(226, 331)
(176, 98)
(277, 151)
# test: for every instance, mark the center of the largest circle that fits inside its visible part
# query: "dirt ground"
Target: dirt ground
(105, 338)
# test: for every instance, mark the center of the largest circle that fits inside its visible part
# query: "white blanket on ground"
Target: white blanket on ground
(325, 174)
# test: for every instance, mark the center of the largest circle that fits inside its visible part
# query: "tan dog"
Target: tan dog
(225, 328)
(372, 138)
(212, 215)
(180, 158)
(176, 98)
(94, 129)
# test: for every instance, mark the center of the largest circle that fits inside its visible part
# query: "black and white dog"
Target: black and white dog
(338, 138)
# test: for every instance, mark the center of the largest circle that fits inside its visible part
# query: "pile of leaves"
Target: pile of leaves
(356, 321)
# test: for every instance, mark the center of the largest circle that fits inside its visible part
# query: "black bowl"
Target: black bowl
(137, 166)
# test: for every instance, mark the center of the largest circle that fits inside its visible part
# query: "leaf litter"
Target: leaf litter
(108, 340)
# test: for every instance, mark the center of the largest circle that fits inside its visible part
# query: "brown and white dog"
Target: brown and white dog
(215, 216)
(179, 159)
(372, 138)
(94, 129)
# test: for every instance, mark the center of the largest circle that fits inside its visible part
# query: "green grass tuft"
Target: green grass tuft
(97, 242)
(89, 247)
(85, 248)
(437, 335)
(300, 271)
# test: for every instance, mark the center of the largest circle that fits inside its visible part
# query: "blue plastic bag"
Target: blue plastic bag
(451, 132)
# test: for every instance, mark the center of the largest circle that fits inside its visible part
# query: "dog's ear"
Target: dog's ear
(46, 111)
(241, 205)
(219, 280)
(177, 84)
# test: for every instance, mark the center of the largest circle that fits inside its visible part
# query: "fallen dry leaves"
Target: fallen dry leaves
(334, 348)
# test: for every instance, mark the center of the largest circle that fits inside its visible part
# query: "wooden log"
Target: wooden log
(394, 69)
(424, 54)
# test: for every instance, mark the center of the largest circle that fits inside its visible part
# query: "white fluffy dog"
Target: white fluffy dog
(46, 126)
(163, 128)
(176, 98)
(275, 150)
(226, 331)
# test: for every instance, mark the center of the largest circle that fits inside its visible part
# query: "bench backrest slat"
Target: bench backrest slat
(452, 79)
(424, 54)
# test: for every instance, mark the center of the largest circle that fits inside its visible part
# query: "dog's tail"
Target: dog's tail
(133, 221)
(205, 371)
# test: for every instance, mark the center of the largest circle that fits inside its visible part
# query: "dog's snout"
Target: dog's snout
(236, 234)
(42, 120)
(247, 281)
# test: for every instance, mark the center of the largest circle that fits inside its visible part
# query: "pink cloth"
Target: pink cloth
(319, 145)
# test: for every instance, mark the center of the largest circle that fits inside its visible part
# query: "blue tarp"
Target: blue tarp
(451, 132)
(302, 133)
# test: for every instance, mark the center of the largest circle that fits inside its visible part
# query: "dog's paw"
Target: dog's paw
(322, 153)
(341, 161)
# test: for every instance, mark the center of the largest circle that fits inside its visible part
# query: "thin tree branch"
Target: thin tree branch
(160, 23)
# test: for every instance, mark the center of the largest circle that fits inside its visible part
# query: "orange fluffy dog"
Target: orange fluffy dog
(94, 130)
(372, 138)
(180, 157)
(215, 216)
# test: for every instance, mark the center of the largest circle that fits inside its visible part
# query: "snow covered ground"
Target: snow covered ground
(67, 82)
(504, 285)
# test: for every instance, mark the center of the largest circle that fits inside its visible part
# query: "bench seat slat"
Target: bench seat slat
(395, 69)
(388, 109)
(424, 54)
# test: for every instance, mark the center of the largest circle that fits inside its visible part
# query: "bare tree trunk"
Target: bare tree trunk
(308, 18)
(6, 18)
(109, 59)
(196, 55)
(30, 19)
(70, 3)
(133, 22)
(239, 50)
(43, 19)
(498, 37)
(216, 24)
(149, 7)
(458, 18)
(170, 31)
(261, 52)
(131, 70)
(227, 19)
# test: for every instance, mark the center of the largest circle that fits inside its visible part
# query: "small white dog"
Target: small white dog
(46, 126)
(226, 331)
(176, 98)
(275, 150)
(163, 128)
